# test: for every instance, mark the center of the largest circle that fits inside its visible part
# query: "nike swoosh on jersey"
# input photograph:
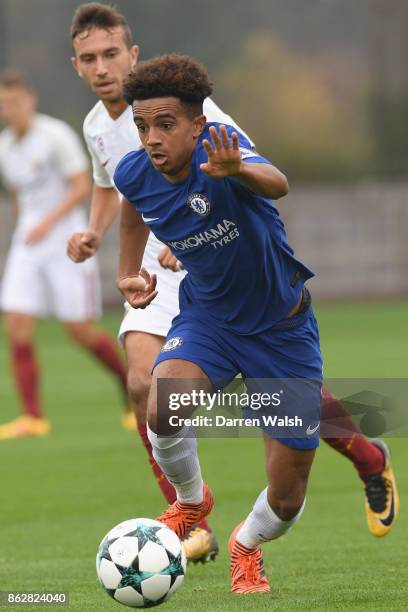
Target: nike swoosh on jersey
(388, 519)
(105, 163)
(149, 219)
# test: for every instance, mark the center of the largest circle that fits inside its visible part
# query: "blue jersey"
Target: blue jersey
(242, 273)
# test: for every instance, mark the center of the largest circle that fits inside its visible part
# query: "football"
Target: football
(141, 563)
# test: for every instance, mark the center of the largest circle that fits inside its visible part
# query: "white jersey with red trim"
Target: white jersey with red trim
(39, 279)
(37, 168)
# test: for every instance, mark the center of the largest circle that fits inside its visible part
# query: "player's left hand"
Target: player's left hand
(224, 157)
(138, 290)
(168, 261)
(38, 233)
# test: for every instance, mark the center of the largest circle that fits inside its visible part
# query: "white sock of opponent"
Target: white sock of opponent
(262, 524)
(178, 459)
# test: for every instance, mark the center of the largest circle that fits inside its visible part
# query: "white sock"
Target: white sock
(177, 457)
(262, 524)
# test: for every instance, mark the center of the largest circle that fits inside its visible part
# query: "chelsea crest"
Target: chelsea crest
(172, 344)
(199, 204)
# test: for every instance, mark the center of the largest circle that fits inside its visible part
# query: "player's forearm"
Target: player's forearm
(78, 191)
(105, 205)
(263, 179)
(133, 238)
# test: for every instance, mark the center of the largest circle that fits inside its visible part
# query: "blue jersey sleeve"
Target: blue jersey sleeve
(129, 172)
(120, 175)
(248, 155)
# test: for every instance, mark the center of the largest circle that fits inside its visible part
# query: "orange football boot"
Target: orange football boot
(181, 517)
(246, 567)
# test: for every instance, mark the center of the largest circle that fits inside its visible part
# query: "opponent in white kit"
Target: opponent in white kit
(45, 168)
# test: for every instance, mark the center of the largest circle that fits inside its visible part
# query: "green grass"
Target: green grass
(60, 495)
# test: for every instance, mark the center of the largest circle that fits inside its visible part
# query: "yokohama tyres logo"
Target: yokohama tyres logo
(218, 236)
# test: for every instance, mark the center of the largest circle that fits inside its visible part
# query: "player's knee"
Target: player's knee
(288, 507)
(151, 415)
(10, 327)
(76, 333)
(84, 333)
(152, 419)
(138, 385)
(16, 330)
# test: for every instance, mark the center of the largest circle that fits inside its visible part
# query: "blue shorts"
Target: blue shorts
(289, 350)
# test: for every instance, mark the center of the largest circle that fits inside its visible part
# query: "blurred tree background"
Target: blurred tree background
(320, 85)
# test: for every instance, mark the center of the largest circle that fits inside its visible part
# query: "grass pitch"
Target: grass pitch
(60, 495)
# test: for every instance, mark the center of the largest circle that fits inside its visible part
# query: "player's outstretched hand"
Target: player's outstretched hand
(138, 290)
(82, 245)
(168, 261)
(224, 156)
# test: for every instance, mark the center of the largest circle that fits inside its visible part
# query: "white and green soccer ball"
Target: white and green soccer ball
(141, 563)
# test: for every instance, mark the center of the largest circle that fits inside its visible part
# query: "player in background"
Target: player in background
(104, 54)
(45, 168)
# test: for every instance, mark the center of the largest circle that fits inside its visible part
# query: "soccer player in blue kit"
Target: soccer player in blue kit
(242, 304)
(243, 307)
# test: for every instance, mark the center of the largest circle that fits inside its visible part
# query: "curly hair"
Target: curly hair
(101, 16)
(173, 75)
